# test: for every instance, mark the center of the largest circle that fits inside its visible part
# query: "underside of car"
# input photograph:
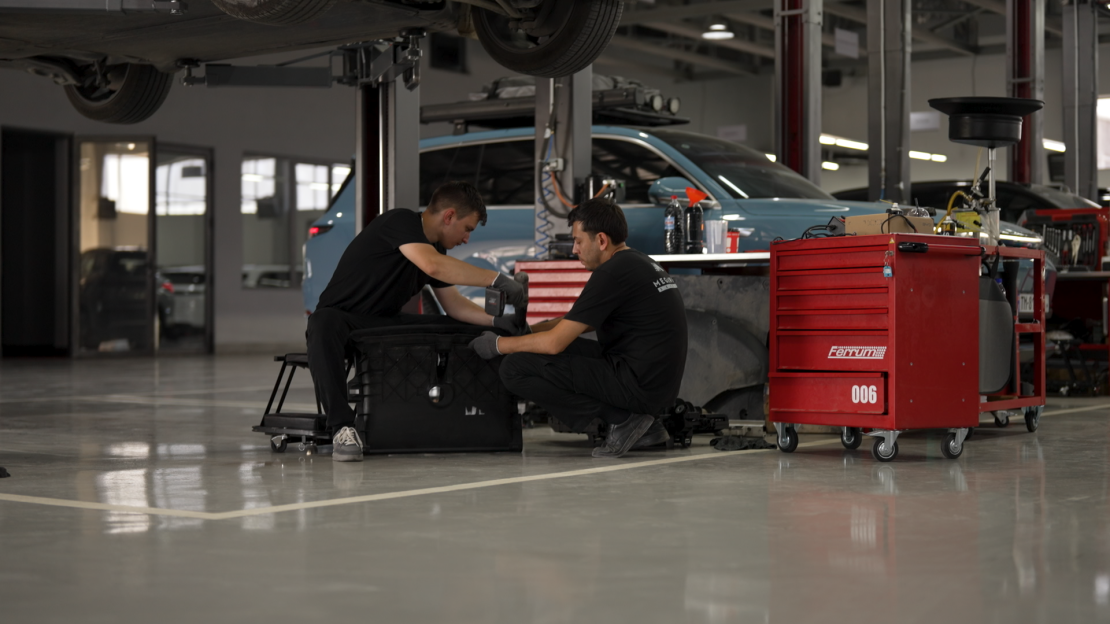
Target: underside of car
(117, 66)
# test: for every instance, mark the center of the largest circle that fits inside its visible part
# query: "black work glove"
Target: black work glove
(485, 345)
(516, 290)
(516, 324)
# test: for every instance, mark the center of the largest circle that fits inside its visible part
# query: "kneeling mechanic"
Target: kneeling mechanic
(388, 263)
(632, 372)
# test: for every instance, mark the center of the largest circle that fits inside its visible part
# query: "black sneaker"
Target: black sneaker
(346, 445)
(621, 437)
(655, 435)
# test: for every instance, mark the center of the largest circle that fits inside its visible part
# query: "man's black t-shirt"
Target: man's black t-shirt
(640, 321)
(373, 277)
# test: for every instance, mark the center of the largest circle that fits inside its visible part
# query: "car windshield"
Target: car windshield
(744, 172)
(1062, 199)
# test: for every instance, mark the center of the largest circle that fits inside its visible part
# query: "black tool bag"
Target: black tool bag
(422, 389)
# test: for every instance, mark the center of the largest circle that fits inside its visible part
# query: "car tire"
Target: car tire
(141, 92)
(274, 12)
(582, 29)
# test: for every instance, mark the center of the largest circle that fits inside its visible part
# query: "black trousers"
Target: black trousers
(328, 336)
(577, 385)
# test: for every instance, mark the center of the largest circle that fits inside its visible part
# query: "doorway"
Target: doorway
(34, 243)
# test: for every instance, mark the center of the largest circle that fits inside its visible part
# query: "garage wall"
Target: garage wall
(297, 122)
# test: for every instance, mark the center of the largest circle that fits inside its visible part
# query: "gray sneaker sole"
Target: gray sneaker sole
(346, 456)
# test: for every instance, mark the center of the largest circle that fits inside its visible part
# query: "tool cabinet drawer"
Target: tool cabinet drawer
(829, 392)
(833, 300)
(832, 351)
(868, 320)
(824, 259)
(831, 280)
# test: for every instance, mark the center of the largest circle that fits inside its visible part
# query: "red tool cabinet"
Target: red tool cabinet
(875, 332)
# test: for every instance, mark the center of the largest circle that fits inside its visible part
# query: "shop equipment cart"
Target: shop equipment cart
(880, 333)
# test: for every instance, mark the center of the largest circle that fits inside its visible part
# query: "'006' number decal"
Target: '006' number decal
(865, 394)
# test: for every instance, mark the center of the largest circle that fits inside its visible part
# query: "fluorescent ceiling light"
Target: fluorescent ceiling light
(939, 158)
(718, 26)
(921, 155)
(848, 143)
(771, 157)
(831, 166)
(1055, 146)
(827, 140)
(717, 35)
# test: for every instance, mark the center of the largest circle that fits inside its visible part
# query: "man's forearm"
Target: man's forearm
(465, 310)
(542, 342)
(459, 273)
(546, 325)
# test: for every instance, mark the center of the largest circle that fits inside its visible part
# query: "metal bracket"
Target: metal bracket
(782, 428)
(173, 7)
(369, 64)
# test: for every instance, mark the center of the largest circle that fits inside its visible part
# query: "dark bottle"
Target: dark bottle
(674, 241)
(695, 229)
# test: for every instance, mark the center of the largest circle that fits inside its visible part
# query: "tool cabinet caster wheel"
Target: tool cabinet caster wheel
(851, 438)
(278, 444)
(310, 448)
(1001, 421)
(883, 452)
(1033, 417)
(949, 448)
(970, 432)
(791, 441)
(686, 442)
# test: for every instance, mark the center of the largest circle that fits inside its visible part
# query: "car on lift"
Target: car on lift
(1013, 198)
(117, 67)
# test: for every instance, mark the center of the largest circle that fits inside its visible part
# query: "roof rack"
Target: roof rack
(628, 105)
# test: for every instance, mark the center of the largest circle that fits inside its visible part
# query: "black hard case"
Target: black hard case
(397, 409)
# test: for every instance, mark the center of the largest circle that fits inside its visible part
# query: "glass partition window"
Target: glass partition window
(114, 294)
(180, 206)
(281, 197)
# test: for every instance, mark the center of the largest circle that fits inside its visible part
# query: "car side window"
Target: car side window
(506, 173)
(636, 165)
(1011, 203)
(451, 163)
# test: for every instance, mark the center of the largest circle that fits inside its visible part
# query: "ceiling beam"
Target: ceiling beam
(762, 21)
(679, 55)
(616, 61)
(732, 44)
(700, 9)
(1051, 24)
(860, 15)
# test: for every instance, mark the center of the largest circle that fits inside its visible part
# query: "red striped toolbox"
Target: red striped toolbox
(553, 286)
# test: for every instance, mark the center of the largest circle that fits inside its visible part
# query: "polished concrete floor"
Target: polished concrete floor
(139, 494)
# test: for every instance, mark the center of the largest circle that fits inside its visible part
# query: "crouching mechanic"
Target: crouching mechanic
(388, 263)
(632, 372)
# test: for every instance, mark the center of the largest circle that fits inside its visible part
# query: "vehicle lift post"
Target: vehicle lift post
(564, 117)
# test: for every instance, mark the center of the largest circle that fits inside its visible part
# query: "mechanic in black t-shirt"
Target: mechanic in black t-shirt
(633, 371)
(388, 263)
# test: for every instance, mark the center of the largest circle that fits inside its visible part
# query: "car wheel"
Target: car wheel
(274, 12)
(133, 93)
(567, 36)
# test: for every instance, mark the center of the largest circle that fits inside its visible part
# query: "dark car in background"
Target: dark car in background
(113, 302)
(1013, 199)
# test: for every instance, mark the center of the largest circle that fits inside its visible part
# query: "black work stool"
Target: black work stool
(281, 426)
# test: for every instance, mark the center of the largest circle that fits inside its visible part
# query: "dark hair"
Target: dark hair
(462, 196)
(600, 215)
